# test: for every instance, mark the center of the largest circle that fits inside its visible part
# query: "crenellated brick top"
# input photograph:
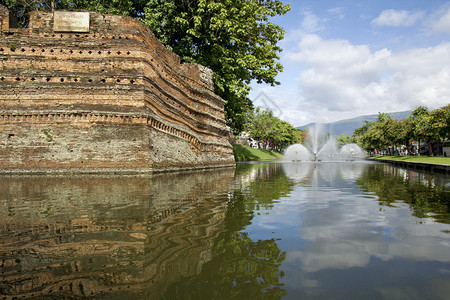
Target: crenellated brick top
(103, 28)
(118, 55)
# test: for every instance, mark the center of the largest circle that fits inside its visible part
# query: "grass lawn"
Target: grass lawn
(246, 153)
(419, 159)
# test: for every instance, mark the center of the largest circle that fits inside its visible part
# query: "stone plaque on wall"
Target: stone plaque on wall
(70, 21)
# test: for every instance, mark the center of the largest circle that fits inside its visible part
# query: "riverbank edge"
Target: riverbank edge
(110, 171)
(414, 165)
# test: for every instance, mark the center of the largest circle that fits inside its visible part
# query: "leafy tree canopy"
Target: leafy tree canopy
(343, 139)
(263, 125)
(22, 8)
(421, 125)
(234, 38)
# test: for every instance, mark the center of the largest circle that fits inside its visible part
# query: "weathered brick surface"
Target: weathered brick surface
(111, 98)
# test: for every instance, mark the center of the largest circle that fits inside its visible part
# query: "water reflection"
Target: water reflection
(110, 237)
(326, 171)
(261, 231)
(243, 267)
(427, 194)
(343, 245)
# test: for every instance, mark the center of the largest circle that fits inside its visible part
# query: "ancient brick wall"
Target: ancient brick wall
(112, 97)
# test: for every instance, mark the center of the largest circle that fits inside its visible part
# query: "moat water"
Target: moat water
(337, 230)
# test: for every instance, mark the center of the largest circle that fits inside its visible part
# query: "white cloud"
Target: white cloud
(326, 80)
(440, 21)
(421, 76)
(337, 79)
(338, 75)
(311, 23)
(337, 11)
(398, 18)
(337, 238)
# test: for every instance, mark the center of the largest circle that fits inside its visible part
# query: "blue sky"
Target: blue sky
(346, 58)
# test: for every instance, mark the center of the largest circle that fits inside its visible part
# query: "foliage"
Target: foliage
(431, 126)
(404, 132)
(418, 123)
(360, 135)
(421, 125)
(302, 135)
(22, 8)
(234, 38)
(133, 8)
(343, 139)
(382, 132)
(261, 124)
(439, 123)
(264, 126)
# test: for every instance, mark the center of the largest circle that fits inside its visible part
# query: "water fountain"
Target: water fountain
(328, 151)
(351, 151)
(297, 153)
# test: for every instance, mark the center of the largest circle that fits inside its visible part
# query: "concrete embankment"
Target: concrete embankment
(416, 165)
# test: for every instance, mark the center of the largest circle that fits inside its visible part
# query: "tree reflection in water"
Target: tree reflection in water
(420, 190)
(260, 231)
(242, 268)
(314, 231)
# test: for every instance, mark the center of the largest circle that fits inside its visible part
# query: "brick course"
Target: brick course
(111, 98)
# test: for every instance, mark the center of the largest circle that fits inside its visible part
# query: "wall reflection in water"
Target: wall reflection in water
(107, 236)
(259, 231)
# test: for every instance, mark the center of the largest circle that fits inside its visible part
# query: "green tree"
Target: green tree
(360, 135)
(385, 127)
(376, 136)
(439, 122)
(404, 132)
(132, 8)
(285, 135)
(263, 125)
(260, 124)
(431, 126)
(396, 134)
(419, 123)
(343, 139)
(379, 134)
(22, 8)
(234, 38)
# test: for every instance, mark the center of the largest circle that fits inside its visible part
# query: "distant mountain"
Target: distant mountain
(348, 126)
